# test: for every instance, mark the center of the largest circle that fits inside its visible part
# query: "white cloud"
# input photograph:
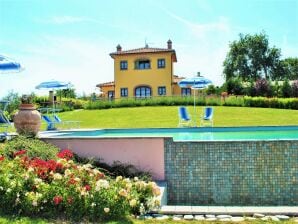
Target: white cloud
(203, 29)
(65, 20)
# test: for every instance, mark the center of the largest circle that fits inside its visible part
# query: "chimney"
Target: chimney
(169, 44)
(119, 48)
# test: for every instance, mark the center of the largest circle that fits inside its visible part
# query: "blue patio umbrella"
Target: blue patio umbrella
(53, 85)
(8, 65)
(196, 83)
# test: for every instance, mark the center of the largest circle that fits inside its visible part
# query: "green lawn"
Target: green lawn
(147, 117)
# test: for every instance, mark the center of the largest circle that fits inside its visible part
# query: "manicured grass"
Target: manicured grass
(147, 117)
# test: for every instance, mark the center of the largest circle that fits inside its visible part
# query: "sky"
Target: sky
(70, 40)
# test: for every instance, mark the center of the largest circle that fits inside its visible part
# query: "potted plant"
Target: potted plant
(27, 120)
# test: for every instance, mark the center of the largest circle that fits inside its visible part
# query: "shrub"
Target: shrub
(234, 86)
(283, 103)
(286, 89)
(115, 169)
(62, 188)
(131, 102)
(34, 147)
(211, 90)
(14, 102)
(262, 87)
(213, 101)
(234, 101)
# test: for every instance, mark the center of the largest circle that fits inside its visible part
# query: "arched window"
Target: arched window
(142, 92)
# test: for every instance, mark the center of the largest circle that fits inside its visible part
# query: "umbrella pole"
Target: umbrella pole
(53, 104)
(194, 107)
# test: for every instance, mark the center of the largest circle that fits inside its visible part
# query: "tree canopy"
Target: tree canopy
(251, 58)
(290, 66)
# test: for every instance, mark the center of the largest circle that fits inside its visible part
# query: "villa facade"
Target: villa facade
(143, 72)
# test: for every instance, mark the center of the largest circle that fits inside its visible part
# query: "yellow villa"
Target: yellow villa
(143, 72)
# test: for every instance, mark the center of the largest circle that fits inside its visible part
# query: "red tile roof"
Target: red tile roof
(105, 84)
(145, 50)
(177, 79)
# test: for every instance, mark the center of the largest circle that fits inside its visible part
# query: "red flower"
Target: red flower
(57, 200)
(2, 158)
(72, 181)
(65, 154)
(87, 187)
(43, 167)
(20, 152)
(101, 175)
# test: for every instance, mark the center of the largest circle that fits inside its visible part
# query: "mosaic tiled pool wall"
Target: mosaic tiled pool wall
(232, 173)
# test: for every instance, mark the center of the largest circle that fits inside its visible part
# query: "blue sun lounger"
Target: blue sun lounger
(67, 124)
(184, 118)
(207, 117)
(4, 123)
(51, 125)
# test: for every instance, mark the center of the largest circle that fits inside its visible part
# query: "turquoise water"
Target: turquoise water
(187, 134)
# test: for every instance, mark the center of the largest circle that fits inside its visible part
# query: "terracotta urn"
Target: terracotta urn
(27, 120)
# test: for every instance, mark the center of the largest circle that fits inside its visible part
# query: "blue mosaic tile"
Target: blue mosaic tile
(232, 173)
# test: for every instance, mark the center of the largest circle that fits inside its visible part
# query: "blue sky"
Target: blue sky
(70, 40)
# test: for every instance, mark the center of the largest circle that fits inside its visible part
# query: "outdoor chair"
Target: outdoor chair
(66, 124)
(207, 118)
(4, 123)
(184, 118)
(51, 125)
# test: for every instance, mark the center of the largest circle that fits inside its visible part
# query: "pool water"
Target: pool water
(187, 134)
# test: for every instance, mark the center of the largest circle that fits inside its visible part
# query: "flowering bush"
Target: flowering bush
(262, 87)
(61, 187)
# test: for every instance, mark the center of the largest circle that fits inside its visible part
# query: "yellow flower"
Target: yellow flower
(156, 202)
(128, 186)
(119, 178)
(101, 184)
(156, 191)
(106, 210)
(57, 176)
(67, 172)
(77, 179)
(133, 203)
(126, 180)
(87, 167)
(123, 193)
(37, 181)
(26, 176)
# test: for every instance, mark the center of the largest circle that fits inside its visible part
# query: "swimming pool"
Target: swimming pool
(202, 166)
(187, 134)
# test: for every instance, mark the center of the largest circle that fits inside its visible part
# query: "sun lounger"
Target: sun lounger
(184, 118)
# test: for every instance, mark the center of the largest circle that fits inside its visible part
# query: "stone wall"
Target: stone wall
(232, 173)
